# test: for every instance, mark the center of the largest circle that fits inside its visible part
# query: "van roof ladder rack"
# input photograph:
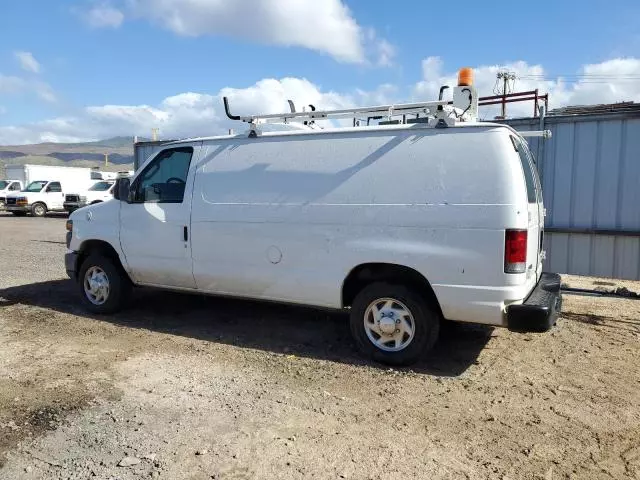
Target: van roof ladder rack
(374, 111)
(465, 108)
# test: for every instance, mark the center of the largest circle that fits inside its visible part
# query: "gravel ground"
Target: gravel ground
(188, 387)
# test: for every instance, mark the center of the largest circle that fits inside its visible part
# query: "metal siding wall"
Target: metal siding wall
(590, 174)
(629, 183)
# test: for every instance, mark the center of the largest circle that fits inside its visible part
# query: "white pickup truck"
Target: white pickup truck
(38, 198)
(46, 186)
(7, 187)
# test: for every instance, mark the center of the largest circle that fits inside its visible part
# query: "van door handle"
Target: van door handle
(185, 234)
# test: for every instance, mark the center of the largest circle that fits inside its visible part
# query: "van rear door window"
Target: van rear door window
(529, 175)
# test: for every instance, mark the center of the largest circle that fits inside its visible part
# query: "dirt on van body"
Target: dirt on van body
(187, 387)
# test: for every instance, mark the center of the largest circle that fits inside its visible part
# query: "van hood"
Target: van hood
(104, 212)
(18, 194)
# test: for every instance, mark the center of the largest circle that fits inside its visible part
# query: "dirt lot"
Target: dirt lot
(186, 387)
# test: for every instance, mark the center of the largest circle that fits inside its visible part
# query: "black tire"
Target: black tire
(20, 214)
(96, 201)
(38, 209)
(426, 323)
(119, 284)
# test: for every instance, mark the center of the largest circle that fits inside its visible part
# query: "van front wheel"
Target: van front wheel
(393, 324)
(103, 288)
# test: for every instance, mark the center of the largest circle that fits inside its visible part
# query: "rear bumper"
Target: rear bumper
(539, 311)
(71, 264)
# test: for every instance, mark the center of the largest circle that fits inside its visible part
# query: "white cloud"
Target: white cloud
(27, 61)
(11, 85)
(178, 116)
(3, 110)
(607, 82)
(386, 52)
(194, 114)
(326, 26)
(103, 15)
(45, 92)
(379, 50)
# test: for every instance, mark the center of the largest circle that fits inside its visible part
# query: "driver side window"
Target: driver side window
(165, 178)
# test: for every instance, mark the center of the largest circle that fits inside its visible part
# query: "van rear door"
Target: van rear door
(535, 210)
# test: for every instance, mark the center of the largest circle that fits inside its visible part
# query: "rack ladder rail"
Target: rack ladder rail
(379, 110)
(465, 99)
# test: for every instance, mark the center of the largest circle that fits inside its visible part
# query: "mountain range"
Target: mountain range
(87, 154)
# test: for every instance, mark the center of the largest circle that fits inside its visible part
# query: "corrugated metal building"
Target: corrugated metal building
(590, 172)
(142, 150)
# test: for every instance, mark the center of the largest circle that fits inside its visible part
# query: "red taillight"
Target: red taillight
(515, 251)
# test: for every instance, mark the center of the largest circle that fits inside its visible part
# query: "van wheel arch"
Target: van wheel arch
(367, 273)
(100, 247)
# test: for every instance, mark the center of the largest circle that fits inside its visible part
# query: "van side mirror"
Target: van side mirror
(121, 190)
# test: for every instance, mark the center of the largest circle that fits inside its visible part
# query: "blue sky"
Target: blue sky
(58, 58)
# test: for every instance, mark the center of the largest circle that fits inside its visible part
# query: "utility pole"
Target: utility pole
(106, 159)
(506, 77)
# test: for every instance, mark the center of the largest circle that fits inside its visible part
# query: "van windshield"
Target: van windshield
(35, 186)
(101, 187)
(3, 184)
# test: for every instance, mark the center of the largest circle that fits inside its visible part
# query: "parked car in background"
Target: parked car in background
(99, 192)
(7, 187)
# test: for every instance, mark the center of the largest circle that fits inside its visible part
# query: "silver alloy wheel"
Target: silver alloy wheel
(96, 285)
(39, 210)
(389, 324)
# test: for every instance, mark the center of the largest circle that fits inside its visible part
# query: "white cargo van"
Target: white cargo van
(45, 188)
(403, 225)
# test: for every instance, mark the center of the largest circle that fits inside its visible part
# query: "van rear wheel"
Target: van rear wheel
(103, 287)
(392, 324)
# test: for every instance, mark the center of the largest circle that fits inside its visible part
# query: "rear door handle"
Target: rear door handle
(185, 234)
